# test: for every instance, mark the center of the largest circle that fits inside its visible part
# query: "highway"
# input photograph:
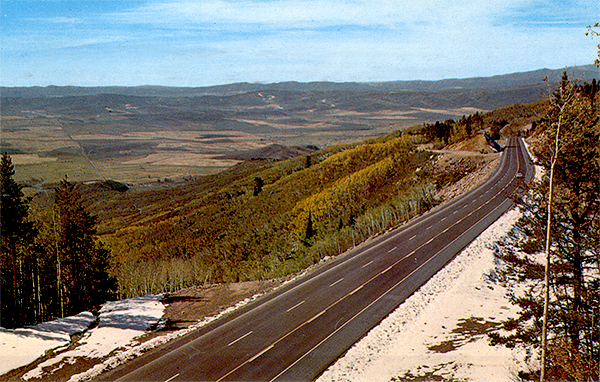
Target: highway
(296, 332)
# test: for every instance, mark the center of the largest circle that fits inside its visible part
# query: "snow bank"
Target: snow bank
(539, 170)
(440, 330)
(120, 323)
(20, 347)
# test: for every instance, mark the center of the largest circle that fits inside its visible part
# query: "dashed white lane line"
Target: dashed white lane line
(367, 264)
(339, 281)
(393, 249)
(412, 237)
(295, 306)
(241, 338)
(172, 378)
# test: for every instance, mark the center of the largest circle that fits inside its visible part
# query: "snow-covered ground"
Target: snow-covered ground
(439, 331)
(119, 323)
(20, 347)
(116, 338)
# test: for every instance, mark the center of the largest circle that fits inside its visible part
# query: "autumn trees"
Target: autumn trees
(51, 267)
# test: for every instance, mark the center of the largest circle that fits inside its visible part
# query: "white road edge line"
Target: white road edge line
(172, 378)
(295, 306)
(239, 339)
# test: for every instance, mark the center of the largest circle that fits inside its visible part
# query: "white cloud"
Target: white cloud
(310, 13)
(36, 42)
(58, 20)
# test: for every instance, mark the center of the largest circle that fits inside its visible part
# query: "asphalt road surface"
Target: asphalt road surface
(295, 333)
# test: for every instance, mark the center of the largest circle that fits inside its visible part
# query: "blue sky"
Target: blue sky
(209, 42)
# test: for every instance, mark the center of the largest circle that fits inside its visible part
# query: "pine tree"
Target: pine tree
(258, 185)
(310, 231)
(17, 234)
(574, 267)
(86, 282)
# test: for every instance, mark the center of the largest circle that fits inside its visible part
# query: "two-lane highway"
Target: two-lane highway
(296, 332)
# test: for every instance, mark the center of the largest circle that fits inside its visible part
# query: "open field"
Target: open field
(140, 139)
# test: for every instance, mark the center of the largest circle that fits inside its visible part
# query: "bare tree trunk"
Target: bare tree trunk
(59, 285)
(547, 265)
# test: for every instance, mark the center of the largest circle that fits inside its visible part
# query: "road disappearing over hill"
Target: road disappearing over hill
(296, 332)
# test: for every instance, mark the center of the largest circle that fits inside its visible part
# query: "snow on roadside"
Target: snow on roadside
(120, 323)
(539, 170)
(440, 330)
(19, 347)
(133, 351)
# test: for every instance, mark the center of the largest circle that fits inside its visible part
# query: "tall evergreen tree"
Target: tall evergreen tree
(86, 282)
(17, 234)
(574, 267)
(310, 231)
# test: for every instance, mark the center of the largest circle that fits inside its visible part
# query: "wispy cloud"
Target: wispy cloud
(47, 43)
(58, 20)
(546, 13)
(311, 13)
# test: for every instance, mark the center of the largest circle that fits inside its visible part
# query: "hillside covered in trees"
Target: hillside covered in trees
(269, 218)
(260, 219)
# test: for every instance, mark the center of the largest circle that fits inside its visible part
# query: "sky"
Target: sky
(212, 42)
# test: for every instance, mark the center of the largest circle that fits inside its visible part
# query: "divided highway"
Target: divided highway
(294, 333)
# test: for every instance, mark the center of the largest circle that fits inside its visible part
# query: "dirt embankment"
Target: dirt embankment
(463, 166)
(464, 171)
(188, 306)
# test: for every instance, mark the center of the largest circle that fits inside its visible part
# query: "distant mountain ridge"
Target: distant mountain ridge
(506, 81)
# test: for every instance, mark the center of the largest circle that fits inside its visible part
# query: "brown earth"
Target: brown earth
(190, 305)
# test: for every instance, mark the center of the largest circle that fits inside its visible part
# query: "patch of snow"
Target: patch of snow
(441, 328)
(19, 347)
(130, 352)
(539, 170)
(120, 323)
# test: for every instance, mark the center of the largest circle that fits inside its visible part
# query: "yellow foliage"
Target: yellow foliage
(335, 197)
